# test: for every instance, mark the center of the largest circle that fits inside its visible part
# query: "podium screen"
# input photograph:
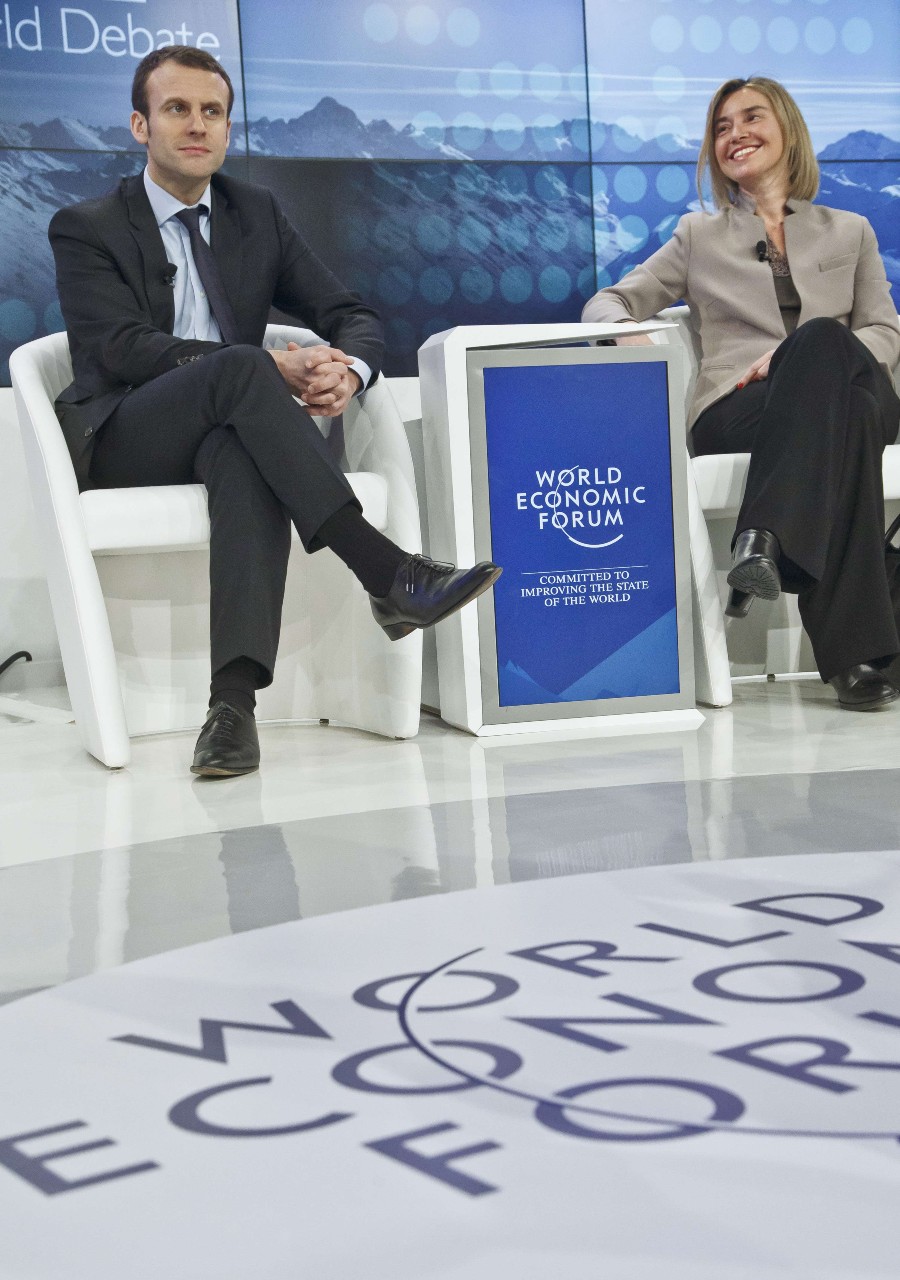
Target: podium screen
(579, 499)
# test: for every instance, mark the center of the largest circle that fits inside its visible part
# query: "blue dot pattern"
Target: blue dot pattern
(525, 161)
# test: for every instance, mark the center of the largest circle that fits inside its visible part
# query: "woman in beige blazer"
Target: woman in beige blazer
(799, 336)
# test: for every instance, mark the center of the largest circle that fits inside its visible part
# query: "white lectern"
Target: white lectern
(565, 463)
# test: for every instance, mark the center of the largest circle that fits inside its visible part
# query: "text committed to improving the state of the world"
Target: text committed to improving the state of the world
(573, 587)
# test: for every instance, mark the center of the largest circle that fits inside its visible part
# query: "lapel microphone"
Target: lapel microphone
(762, 251)
(169, 273)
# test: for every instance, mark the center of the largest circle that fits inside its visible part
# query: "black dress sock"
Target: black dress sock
(237, 683)
(366, 552)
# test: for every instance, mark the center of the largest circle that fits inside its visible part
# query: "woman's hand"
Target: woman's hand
(758, 370)
(634, 340)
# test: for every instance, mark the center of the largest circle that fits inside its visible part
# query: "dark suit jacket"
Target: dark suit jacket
(119, 312)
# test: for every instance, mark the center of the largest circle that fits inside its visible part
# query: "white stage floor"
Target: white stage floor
(655, 1040)
(100, 867)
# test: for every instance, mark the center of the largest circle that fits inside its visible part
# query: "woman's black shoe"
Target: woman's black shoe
(863, 688)
(754, 571)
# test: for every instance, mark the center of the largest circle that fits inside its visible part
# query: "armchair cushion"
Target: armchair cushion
(175, 518)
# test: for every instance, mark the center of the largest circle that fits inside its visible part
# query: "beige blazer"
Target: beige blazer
(711, 262)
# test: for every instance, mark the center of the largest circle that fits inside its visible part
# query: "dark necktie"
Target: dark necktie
(208, 268)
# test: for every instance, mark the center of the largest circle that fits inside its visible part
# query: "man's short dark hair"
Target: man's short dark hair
(186, 56)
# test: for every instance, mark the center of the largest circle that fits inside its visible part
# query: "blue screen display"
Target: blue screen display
(485, 162)
(580, 492)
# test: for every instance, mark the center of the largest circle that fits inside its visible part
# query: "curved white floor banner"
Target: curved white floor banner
(680, 1073)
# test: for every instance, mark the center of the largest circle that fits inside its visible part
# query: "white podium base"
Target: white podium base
(593, 726)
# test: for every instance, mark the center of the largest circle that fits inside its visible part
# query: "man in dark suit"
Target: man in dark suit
(165, 286)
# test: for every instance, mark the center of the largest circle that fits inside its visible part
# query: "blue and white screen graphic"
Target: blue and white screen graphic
(654, 72)
(455, 163)
(580, 492)
(65, 103)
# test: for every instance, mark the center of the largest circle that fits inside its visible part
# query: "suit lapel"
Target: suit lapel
(226, 244)
(149, 243)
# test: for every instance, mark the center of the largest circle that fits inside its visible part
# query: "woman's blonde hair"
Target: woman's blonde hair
(802, 165)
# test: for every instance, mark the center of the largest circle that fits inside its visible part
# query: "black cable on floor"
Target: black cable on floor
(15, 658)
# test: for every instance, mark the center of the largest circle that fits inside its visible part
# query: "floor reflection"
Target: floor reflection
(607, 829)
(66, 917)
(260, 878)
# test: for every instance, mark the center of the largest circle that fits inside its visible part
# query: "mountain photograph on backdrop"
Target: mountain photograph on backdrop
(453, 165)
(476, 225)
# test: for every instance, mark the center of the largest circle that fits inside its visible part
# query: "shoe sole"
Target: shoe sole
(757, 576)
(397, 630)
(878, 704)
(208, 771)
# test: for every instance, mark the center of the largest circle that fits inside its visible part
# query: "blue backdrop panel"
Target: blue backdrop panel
(583, 122)
(661, 64)
(65, 102)
(66, 69)
(580, 494)
(33, 185)
(417, 81)
(636, 209)
(657, 71)
(436, 245)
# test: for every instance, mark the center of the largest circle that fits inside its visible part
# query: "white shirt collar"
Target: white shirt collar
(165, 205)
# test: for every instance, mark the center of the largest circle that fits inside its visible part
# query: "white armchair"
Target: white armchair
(716, 488)
(128, 577)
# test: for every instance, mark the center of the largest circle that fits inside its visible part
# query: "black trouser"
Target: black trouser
(229, 421)
(816, 429)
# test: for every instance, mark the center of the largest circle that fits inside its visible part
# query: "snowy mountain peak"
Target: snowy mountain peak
(862, 144)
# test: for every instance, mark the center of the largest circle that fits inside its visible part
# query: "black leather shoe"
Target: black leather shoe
(425, 592)
(228, 744)
(863, 688)
(754, 571)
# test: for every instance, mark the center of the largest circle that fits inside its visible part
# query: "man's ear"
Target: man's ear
(140, 129)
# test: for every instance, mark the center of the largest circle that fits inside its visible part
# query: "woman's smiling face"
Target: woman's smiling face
(749, 144)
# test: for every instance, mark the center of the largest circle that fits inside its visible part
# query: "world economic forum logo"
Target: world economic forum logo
(487, 1044)
(588, 505)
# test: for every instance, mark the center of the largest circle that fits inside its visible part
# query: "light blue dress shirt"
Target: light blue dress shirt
(193, 316)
